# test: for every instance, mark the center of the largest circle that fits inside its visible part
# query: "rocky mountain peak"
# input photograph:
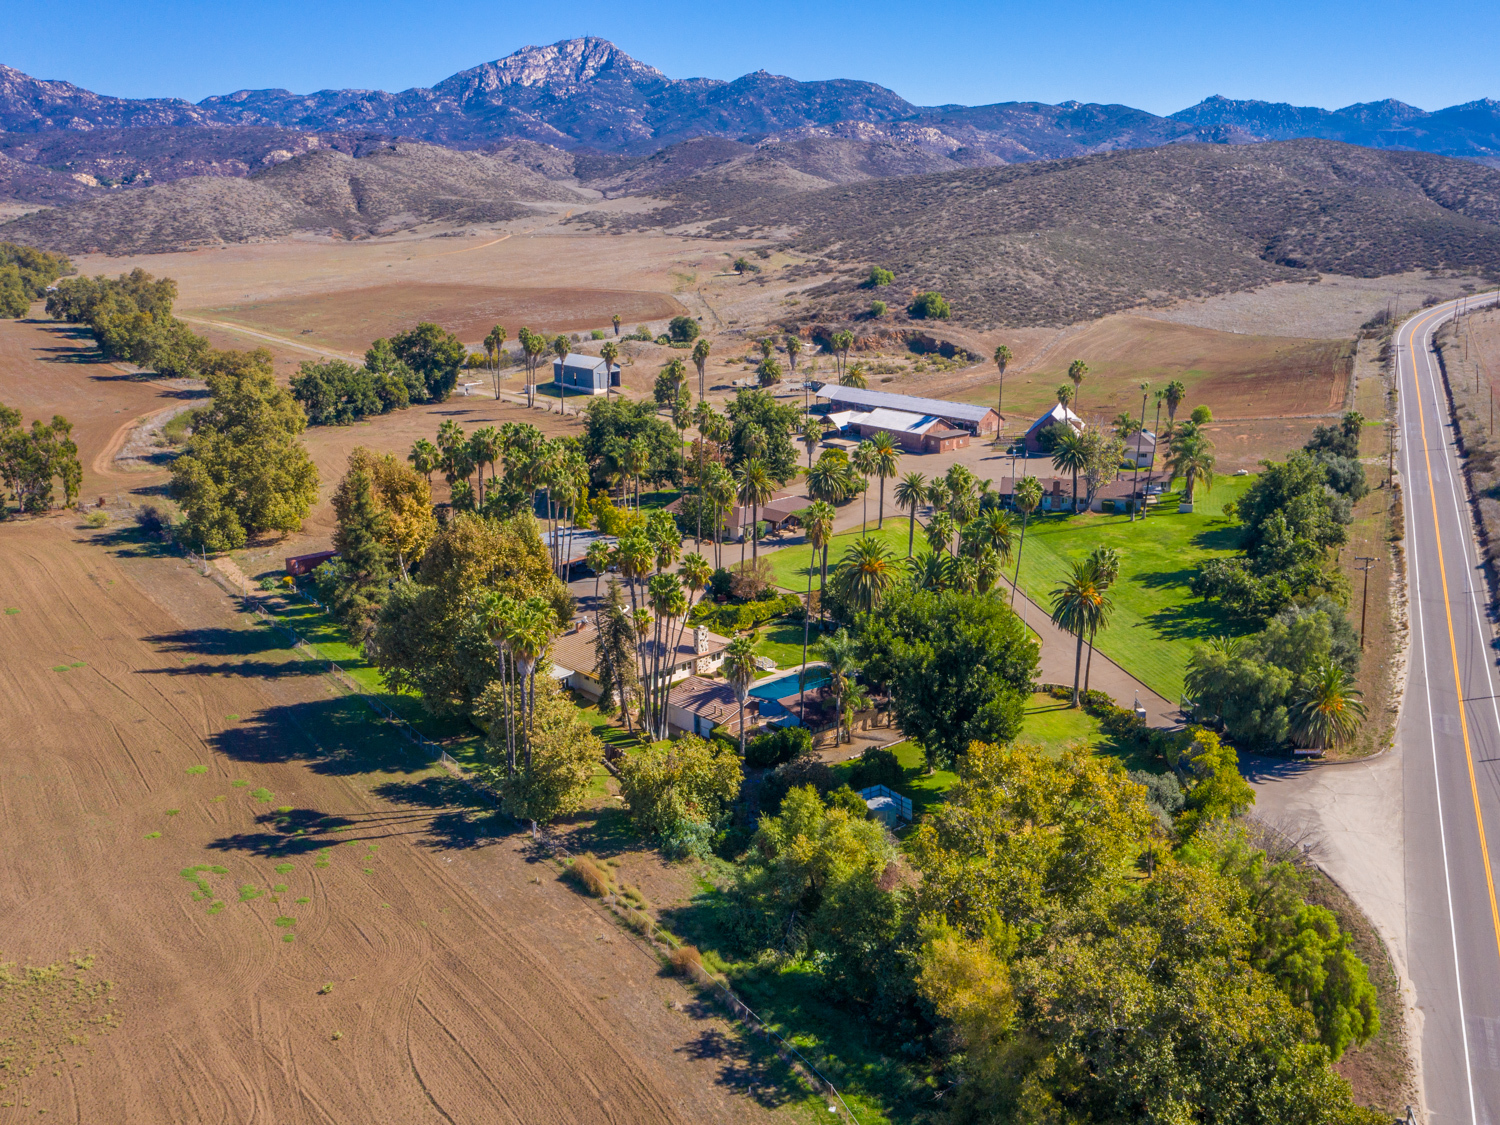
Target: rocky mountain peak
(564, 67)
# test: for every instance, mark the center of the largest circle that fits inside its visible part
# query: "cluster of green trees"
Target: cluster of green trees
(1293, 518)
(31, 461)
(418, 365)
(245, 470)
(131, 319)
(25, 275)
(1057, 947)
(1292, 681)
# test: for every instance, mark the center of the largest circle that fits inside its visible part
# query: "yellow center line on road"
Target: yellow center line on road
(1463, 718)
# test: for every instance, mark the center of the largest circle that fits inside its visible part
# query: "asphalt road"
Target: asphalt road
(1450, 745)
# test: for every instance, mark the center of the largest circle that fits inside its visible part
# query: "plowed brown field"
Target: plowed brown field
(148, 730)
(348, 319)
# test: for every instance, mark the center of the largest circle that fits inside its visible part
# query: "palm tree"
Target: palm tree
(535, 345)
(863, 460)
(929, 571)
(886, 457)
(963, 574)
(1076, 371)
(911, 494)
(529, 636)
(832, 478)
(755, 489)
(854, 377)
(1135, 484)
(838, 652)
(866, 572)
(1076, 606)
(990, 567)
(561, 348)
(484, 448)
(940, 529)
(615, 320)
(1070, 453)
(817, 525)
(700, 361)
(492, 345)
(425, 457)
(1104, 562)
(609, 353)
(841, 342)
(793, 349)
(1065, 394)
(1174, 395)
(996, 531)
(597, 559)
(719, 488)
(1002, 359)
(1028, 494)
(740, 670)
(495, 612)
(636, 463)
(1328, 710)
(1191, 457)
(811, 436)
(855, 700)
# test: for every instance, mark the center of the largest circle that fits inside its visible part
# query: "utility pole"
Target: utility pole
(1365, 601)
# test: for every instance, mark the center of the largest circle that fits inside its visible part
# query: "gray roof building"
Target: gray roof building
(975, 419)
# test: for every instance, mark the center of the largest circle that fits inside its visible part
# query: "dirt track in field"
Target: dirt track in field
(468, 983)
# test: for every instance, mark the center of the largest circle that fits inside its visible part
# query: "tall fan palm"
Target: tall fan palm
(484, 447)
(1028, 494)
(793, 350)
(495, 612)
(740, 670)
(425, 458)
(863, 460)
(839, 652)
(1070, 453)
(817, 525)
(1002, 361)
(911, 494)
(1077, 370)
(811, 436)
(886, 457)
(940, 529)
(1064, 394)
(854, 377)
(561, 348)
(842, 341)
(996, 530)
(493, 342)
(703, 418)
(1174, 395)
(990, 567)
(609, 353)
(866, 572)
(719, 488)
(700, 361)
(1077, 604)
(1104, 563)
(1329, 710)
(1135, 485)
(753, 480)
(529, 636)
(535, 346)
(963, 574)
(1191, 457)
(598, 558)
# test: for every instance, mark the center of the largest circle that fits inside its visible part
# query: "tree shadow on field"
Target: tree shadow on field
(465, 818)
(1224, 537)
(219, 642)
(130, 541)
(339, 737)
(1195, 620)
(757, 1074)
(302, 832)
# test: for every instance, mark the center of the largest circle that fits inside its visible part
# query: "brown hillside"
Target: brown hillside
(394, 188)
(1059, 242)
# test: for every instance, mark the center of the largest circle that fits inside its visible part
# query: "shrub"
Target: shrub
(597, 334)
(876, 766)
(930, 306)
(1202, 414)
(686, 959)
(683, 329)
(154, 522)
(95, 519)
(784, 778)
(877, 309)
(593, 877)
(879, 277)
(750, 578)
(765, 751)
(720, 584)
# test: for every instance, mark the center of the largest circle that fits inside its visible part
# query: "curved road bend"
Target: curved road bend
(1450, 740)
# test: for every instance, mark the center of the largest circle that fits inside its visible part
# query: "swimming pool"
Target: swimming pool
(769, 691)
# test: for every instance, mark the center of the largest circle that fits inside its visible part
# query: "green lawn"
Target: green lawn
(925, 789)
(1156, 620)
(781, 640)
(1053, 723)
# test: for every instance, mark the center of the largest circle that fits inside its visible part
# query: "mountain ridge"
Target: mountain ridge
(587, 92)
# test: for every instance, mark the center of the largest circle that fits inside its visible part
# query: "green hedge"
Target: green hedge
(740, 618)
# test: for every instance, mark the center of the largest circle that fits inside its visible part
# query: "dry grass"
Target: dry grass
(592, 876)
(686, 960)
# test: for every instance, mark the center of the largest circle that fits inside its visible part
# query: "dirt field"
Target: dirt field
(1239, 376)
(300, 922)
(48, 368)
(347, 320)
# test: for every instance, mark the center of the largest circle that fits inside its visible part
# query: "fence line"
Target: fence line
(737, 1007)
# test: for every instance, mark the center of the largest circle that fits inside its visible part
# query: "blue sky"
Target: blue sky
(1159, 55)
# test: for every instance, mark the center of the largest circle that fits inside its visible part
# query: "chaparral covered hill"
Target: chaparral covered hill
(394, 187)
(1061, 241)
